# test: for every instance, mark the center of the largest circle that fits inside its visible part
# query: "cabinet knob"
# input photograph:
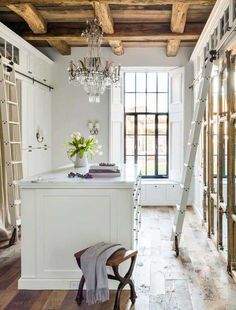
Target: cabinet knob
(30, 72)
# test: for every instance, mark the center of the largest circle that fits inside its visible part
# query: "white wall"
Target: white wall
(71, 109)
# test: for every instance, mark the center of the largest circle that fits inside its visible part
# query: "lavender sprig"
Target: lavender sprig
(79, 175)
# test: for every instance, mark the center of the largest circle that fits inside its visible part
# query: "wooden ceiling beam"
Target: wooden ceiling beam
(156, 44)
(76, 36)
(117, 47)
(103, 13)
(119, 16)
(61, 46)
(178, 22)
(128, 2)
(172, 48)
(178, 17)
(32, 16)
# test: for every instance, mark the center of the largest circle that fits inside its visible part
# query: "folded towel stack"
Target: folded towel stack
(93, 265)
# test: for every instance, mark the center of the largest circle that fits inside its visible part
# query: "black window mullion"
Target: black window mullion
(156, 145)
(136, 138)
(156, 132)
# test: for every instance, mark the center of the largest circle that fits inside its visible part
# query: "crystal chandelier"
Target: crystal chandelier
(93, 73)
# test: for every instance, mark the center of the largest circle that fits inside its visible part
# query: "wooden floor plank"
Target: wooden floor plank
(8, 294)
(23, 300)
(197, 280)
(41, 300)
(54, 300)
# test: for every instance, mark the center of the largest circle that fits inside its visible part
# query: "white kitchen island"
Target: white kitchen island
(62, 215)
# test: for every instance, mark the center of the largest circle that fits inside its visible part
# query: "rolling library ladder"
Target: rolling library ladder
(11, 135)
(191, 151)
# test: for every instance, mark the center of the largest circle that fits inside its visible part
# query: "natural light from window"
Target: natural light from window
(146, 121)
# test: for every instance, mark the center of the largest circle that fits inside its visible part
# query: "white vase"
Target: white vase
(81, 162)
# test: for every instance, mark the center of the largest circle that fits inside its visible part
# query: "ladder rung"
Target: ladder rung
(10, 83)
(183, 187)
(13, 123)
(8, 64)
(15, 142)
(233, 216)
(12, 102)
(179, 209)
(233, 116)
(196, 122)
(223, 119)
(189, 166)
(174, 231)
(193, 144)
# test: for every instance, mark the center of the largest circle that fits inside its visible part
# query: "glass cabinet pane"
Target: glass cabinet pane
(9, 50)
(2, 46)
(16, 55)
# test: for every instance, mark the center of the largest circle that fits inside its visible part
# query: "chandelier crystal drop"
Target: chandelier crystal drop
(93, 73)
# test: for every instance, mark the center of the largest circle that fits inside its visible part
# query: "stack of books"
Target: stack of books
(104, 170)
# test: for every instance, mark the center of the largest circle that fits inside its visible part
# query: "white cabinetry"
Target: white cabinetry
(36, 115)
(160, 193)
(62, 216)
(36, 161)
(35, 102)
(35, 67)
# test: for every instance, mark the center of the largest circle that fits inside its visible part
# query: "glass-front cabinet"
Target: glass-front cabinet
(219, 159)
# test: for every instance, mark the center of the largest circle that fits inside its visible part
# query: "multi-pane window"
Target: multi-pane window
(224, 23)
(146, 121)
(9, 51)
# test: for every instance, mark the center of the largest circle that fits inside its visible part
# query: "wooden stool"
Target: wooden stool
(113, 261)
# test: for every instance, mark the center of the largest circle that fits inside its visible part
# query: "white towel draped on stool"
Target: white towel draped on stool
(93, 265)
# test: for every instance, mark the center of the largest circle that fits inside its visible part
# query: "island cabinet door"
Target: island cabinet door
(68, 220)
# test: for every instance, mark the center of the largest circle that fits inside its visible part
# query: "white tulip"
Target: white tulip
(100, 153)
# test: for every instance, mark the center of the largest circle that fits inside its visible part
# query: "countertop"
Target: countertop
(58, 178)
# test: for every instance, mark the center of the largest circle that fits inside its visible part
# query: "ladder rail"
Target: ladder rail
(191, 151)
(10, 127)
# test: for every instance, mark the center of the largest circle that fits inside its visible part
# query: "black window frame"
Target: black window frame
(157, 115)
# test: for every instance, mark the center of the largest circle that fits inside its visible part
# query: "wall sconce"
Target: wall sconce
(93, 128)
(39, 135)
